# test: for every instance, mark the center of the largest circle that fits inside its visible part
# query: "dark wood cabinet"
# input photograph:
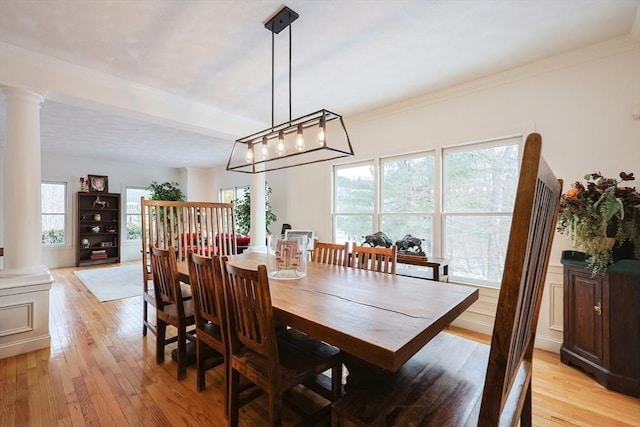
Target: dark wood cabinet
(98, 228)
(602, 323)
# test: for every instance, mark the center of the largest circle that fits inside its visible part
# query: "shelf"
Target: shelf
(98, 261)
(110, 219)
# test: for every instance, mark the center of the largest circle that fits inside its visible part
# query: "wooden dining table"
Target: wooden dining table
(379, 319)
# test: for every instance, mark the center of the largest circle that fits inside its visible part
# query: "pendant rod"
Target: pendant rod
(273, 78)
(290, 67)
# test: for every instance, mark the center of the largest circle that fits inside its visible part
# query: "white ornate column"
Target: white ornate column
(258, 214)
(24, 280)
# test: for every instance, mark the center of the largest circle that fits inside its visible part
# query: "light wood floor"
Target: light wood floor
(100, 371)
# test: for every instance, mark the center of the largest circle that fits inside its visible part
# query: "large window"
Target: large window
(134, 213)
(54, 213)
(407, 201)
(354, 202)
(478, 197)
(462, 210)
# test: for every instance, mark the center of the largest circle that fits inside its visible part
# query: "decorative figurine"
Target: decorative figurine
(102, 203)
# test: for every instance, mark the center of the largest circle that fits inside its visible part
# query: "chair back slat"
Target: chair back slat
(330, 253)
(530, 238)
(207, 307)
(377, 259)
(166, 281)
(249, 308)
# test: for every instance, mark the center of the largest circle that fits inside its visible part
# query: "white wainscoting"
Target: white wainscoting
(24, 314)
(481, 315)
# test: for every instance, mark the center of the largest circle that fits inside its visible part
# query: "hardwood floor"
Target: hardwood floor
(100, 371)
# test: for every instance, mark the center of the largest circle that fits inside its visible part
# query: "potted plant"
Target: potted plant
(169, 191)
(599, 214)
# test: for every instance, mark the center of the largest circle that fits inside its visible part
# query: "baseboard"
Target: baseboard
(542, 342)
(15, 348)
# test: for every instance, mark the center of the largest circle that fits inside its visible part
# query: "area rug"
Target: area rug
(112, 283)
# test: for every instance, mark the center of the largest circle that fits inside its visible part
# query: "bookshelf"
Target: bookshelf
(98, 228)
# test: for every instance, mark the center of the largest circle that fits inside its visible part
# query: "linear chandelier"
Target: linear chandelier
(313, 138)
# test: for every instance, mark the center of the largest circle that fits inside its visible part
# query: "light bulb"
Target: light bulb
(280, 147)
(300, 139)
(322, 136)
(248, 157)
(265, 148)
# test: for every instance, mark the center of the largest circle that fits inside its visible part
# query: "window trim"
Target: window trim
(126, 239)
(68, 218)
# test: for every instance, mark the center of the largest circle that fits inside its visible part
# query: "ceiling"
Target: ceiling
(349, 56)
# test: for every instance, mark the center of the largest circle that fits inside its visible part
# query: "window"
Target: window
(401, 195)
(478, 197)
(228, 195)
(354, 201)
(134, 213)
(54, 213)
(407, 202)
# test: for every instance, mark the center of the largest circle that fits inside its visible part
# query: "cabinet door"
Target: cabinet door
(584, 305)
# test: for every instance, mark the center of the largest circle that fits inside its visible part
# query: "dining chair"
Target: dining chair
(330, 253)
(374, 258)
(171, 308)
(275, 362)
(208, 306)
(455, 381)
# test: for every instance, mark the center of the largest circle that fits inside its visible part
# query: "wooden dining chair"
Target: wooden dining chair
(330, 253)
(454, 381)
(275, 362)
(171, 308)
(208, 305)
(374, 258)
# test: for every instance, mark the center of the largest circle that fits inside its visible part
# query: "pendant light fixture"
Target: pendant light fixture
(313, 138)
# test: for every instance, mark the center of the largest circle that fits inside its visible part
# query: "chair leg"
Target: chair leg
(234, 397)
(145, 310)
(275, 408)
(225, 381)
(161, 333)
(200, 364)
(182, 352)
(525, 415)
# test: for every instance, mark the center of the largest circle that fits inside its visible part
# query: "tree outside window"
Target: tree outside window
(354, 203)
(478, 196)
(134, 212)
(54, 213)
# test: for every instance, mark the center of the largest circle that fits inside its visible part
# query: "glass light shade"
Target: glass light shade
(322, 135)
(265, 148)
(280, 149)
(300, 139)
(248, 157)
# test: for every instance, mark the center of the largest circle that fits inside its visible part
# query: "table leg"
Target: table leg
(364, 375)
(436, 272)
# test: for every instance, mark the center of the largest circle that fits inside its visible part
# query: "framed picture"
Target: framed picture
(99, 183)
(308, 233)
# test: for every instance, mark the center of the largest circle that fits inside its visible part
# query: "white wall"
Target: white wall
(121, 175)
(579, 102)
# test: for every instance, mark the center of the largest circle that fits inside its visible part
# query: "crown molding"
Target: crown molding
(569, 59)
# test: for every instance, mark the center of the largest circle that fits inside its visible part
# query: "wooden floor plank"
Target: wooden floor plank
(101, 371)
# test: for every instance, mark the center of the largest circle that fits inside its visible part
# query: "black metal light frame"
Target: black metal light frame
(322, 119)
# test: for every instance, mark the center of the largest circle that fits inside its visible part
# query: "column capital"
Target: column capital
(11, 93)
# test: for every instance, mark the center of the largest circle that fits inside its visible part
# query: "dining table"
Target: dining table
(378, 320)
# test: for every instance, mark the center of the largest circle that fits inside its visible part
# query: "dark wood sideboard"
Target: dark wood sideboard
(602, 322)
